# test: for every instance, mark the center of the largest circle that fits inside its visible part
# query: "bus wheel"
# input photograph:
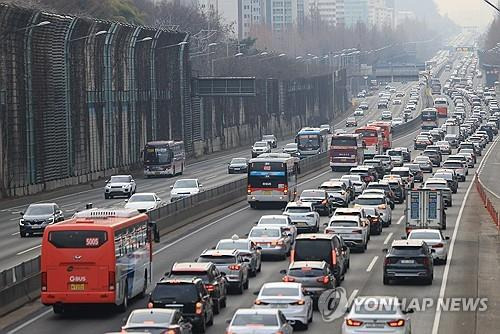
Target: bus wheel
(182, 169)
(58, 308)
(124, 305)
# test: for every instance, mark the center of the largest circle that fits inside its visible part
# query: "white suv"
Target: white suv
(120, 185)
(185, 188)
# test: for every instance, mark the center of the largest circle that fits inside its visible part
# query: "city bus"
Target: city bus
(429, 119)
(435, 86)
(371, 137)
(386, 129)
(100, 256)
(163, 158)
(272, 178)
(346, 151)
(312, 141)
(441, 105)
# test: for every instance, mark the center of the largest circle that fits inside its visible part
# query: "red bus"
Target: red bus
(441, 104)
(97, 257)
(386, 128)
(372, 140)
(346, 151)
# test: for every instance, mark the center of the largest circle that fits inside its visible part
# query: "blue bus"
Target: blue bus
(312, 141)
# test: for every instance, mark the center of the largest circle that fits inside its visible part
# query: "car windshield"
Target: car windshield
(313, 250)
(183, 274)
(239, 161)
(351, 177)
(442, 143)
(343, 223)
(446, 176)
(279, 292)
(394, 153)
(39, 209)
(291, 146)
(185, 184)
(242, 245)
(424, 235)
(150, 317)
(404, 173)
(141, 198)
(406, 251)
(260, 320)
(312, 193)
(179, 292)
(452, 164)
(119, 179)
(370, 201)
(260, 144)
(306, 272)
(268, 137)
(264, 233)
(217, 259)
(421, 159)
(273, 221)
(298, 209)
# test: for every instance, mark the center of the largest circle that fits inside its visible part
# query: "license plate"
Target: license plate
(35, 227)
(77, 286)
(157, 173)
(407, 261)
(375, 325)
(267, 192)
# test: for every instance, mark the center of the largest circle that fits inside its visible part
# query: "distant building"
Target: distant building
(369, 12)
(403, 15)
(356, 11)
(329, 11)
(282, 14)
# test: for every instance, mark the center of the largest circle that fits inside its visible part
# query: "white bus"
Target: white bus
(163, 158)
(272, 178)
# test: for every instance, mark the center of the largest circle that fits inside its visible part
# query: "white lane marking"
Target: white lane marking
(353, 295)
(211, 177)
(70, 204)
(442, 291)
(29, 322)
(370, 266)
(389, 236)
(400, 220)
(28, 250)
(12, 219)
(15, 233)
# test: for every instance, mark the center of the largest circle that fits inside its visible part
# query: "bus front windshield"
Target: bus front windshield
(157, 155)
(308, 142)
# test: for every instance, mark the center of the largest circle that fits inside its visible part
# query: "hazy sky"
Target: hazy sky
(468, 12)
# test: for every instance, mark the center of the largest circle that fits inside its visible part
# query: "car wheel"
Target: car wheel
(305, 326)
(223, 302)
(106, 196)
(22, 234)
(58, 308)
(253, 272)
(202, 327)
(124, 305)
(386, 281)
(217, 306)
(260, 267)
(211, 321)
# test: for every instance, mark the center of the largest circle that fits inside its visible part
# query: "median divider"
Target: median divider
(21, 284)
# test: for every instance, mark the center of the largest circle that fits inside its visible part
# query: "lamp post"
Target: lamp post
(239, 54)
(172, 45)
(102, 32)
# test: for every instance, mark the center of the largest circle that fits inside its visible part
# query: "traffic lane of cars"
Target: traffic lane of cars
(186, 248)
(213, 173)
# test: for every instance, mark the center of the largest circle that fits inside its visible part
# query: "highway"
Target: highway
(363, 278)
(211, 172)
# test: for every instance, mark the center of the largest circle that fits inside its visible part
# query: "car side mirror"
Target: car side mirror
(132, 180)
(433, 250)
(385, 250)
(167, 273)
(404, 237)
(228, 321)
(325, 224)
(258, 248)
(158, 199)
(171, 187)
(256, 293)
(21, 213)
(126, 201)
(345, 248)
(223, 274)
(246, 260)
(447, 238)
(283, 272)
(106, 181)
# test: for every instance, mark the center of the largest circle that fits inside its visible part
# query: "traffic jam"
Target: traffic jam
(317, 233)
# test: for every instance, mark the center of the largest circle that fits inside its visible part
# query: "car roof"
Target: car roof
(315, 236)
(273, 311)
(371, 196)
(408, 243)
(340, 217)
(299, 204)
(282, 285)
(220, 252)
(332, 183)
(307, 264)
(191, 266)
(436, 180)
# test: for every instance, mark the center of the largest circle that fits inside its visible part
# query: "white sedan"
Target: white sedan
(359, 112)
(378, 314)
(290, 299)
(434, 239)
(143, 201)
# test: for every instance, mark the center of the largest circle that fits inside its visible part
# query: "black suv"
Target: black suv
(188, 295)
(323, 247)
(214, 281)
(409, 259)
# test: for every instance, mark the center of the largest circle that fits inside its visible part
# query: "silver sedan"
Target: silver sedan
(268, 321)
(378, 314)
(290, 299)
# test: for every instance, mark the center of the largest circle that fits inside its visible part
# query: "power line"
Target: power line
(492, 5)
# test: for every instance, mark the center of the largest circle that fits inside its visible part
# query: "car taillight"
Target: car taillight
(234, 267)
(249, 190)
(425, 261)
(111, 281)
(396, 323)
(353, 323)
(277, 243)
(439, 245)
(329, 231)
(44, 281)
(172, 331)
(199, 308)
(210, 287)
(285, 191)
(324, 202)
(334, 258)
(324, 279)
(257, 302)
(381, 206)
(288, 279)
(389, 260)
(280, 332)
(298, 302)
(150, 305)
(357, 231)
